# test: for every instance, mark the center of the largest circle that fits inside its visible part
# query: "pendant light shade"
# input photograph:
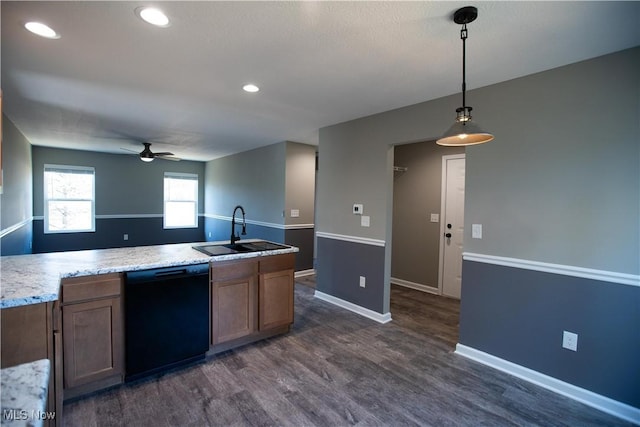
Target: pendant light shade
(464, 131)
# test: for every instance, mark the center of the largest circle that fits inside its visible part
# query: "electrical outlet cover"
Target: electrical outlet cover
(570, 340)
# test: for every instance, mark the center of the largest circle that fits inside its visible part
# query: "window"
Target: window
(180, 200)
(69, 199)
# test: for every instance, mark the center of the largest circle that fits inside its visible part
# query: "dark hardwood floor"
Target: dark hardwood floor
(337, 368)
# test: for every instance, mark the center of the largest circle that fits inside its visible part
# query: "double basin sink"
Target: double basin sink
(235, 248)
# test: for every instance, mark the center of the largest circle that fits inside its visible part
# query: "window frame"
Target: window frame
(196, 201)
(45, 187)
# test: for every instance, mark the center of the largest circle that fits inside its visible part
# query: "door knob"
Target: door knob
(448, 235)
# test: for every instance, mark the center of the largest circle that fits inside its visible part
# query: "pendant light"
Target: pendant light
(464, 131)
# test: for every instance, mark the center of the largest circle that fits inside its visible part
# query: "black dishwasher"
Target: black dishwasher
(166, 318)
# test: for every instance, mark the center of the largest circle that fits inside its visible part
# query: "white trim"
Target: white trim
(119, 216)
(262, 223)
(298, 226)
(354, 239)
(15, 227)
(370, 314)
(567, 270)
(128, 216)
(602, 403)
(304, 273)
(417, 286)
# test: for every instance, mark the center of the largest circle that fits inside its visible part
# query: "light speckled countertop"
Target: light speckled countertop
(32, 279)
(24, 393)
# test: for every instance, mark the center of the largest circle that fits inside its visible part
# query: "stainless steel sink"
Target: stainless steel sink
(227, 248)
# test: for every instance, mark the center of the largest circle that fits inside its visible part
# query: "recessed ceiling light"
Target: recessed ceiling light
(153, 16)
(250, 88)
(42, 30)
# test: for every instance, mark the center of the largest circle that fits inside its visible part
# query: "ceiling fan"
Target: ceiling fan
(147, 155)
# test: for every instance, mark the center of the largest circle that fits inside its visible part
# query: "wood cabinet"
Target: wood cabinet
(92, 333)
(251, 299)
(28, 334)
(25, 335)
(234, 297)
(276, 291)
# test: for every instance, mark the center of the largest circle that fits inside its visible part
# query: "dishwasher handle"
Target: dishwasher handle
(166, 273)
(161, 274)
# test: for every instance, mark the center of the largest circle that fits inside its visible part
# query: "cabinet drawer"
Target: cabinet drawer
(75, 289)
(277, 263)
(230, 270)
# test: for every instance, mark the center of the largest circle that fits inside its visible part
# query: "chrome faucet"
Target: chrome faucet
(234, 237)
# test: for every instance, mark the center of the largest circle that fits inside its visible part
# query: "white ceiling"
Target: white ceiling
(111, 76)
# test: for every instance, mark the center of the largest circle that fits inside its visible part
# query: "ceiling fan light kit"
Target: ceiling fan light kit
(464, 131)
(147, 155)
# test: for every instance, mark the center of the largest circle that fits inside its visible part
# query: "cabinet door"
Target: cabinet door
(233, 300)
(276, 299)
(92, 341)
(233, 309)
(25, 335)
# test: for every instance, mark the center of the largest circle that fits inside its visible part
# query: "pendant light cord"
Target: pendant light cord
(463, 36)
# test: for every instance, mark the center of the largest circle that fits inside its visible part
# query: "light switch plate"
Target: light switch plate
(358, 208)
(476, 231)
(295, 213)
(363, 281)
(365, 221)
(435, 217)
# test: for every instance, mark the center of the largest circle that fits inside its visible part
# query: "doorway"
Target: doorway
(419, 217)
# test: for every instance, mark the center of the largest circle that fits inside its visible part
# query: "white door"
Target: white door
(452, 225)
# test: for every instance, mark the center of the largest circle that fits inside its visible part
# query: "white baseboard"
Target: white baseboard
(373, 315)
(303, 273)
(413, 285)
(602, 403)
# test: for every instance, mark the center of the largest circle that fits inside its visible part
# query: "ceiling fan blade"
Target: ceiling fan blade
(131, 151)
(172, 158)
(165, 153)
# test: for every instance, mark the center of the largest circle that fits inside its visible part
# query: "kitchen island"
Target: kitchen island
(67, 307)
(32, 279)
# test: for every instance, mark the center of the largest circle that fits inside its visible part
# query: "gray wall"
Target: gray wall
(561, 181)
(254, 179)
(126, 188)
(300, 182)
(519, 315)
(268, 182)
(16, 206)
(416, 194)
(559, 184)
